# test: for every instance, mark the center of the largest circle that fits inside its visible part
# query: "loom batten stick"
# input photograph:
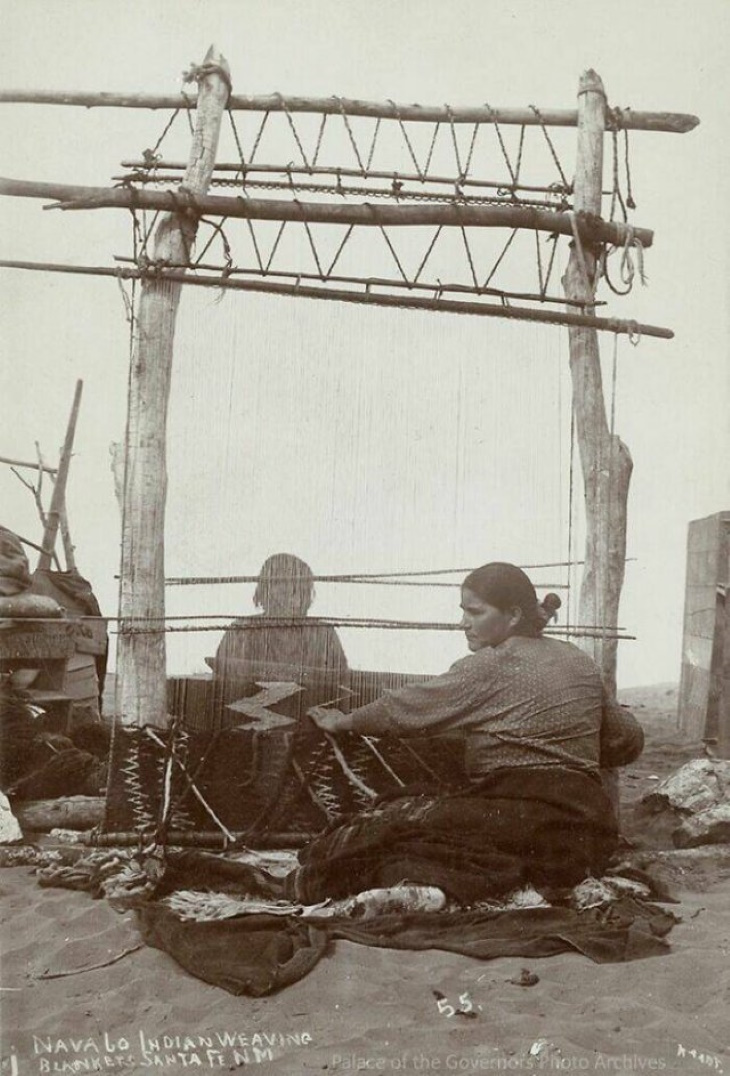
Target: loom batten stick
(203, 839)
(613, 325)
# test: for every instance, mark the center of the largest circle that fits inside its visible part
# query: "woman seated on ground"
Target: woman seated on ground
(537, 726)
(307, 654)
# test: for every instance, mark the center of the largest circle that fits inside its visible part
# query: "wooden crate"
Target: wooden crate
(704, 702)
(54, 639)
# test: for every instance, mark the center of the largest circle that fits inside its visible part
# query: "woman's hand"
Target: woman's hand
(329, 720)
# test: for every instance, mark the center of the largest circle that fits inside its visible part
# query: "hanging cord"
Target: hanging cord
(627, 269)
(616, 196)
(629, 193)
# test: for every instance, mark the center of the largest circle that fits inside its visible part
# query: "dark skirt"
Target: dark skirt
(548, 827)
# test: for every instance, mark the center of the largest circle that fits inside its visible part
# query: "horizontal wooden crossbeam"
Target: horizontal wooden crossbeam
(590, 229)
(364, 298)
(626, 118)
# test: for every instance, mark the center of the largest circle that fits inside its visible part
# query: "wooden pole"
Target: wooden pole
(69, 549)
(192, 204)
(58, 498)
(141, 658)
(626, 118)
(365, 297)
(605, 460)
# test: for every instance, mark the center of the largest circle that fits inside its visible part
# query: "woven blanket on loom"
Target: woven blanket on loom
(270, 785)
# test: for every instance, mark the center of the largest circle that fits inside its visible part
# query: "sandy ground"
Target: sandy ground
(373, 1010)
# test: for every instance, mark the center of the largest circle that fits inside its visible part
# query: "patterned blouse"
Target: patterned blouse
(527, 702)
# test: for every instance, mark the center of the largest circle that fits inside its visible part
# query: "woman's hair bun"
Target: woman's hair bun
(549, 607)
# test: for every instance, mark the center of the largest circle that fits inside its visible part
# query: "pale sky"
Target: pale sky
(367, 439)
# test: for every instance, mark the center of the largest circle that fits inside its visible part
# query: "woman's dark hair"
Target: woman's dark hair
(289, 580)
(506, 587)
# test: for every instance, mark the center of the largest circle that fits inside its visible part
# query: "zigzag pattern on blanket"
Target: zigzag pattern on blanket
(265, 785)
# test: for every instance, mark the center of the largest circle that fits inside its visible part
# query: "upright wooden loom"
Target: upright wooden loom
(605, 460)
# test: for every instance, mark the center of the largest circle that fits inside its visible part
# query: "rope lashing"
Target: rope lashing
(257, 140)
(341, 247)
(499, 260)
(395, 255)
(554, 240)
(427, 255)
(407, 140)
(239, 147)
(634, 334)
(320, 134)
(350, 134)
(505, 154)
(436, 128)
(469, 257)
(294, 131)
(151, 156)
(371, 154)
(549, 141)
(216, 231)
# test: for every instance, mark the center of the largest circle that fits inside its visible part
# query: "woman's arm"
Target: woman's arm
(622, 737)
(435, 705)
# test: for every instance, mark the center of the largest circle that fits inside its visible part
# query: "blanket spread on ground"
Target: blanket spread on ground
(510, 832)
(260, 954)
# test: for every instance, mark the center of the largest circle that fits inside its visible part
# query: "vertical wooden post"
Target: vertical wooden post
(58, 498)
(141, 656)
(69, 549)
(723, 673)
(605, 461)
